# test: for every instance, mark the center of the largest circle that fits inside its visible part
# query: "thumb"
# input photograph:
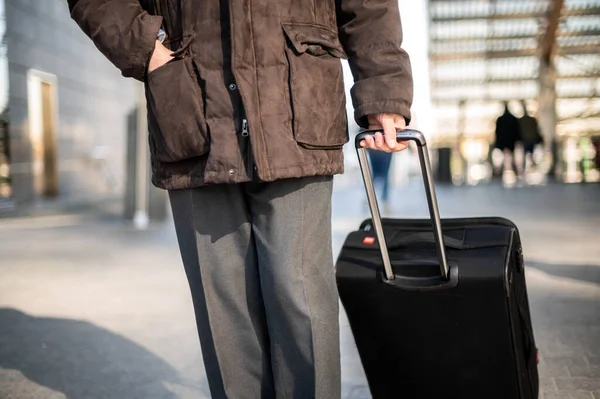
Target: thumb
(389, 131)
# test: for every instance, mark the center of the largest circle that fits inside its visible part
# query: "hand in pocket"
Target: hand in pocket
(160, 57)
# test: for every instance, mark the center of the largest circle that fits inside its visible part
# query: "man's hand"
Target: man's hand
(160, 57)
(389, 123)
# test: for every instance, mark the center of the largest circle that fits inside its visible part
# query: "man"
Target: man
(247, 120)
(508, 133)
(531, 135)
(380, 168)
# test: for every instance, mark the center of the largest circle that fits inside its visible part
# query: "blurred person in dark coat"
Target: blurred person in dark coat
(508, 133)
(530, 133)
(380, 164)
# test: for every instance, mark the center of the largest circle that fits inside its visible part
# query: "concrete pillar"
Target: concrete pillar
(547, 85)
(143, 202)
(547, 118)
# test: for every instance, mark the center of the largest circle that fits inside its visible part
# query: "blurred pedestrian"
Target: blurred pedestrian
(596, 144)
(508, 133)
(246, 112)
(530, 132)
(380, 164)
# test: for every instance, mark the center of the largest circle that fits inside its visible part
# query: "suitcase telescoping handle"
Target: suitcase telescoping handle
(419, 139)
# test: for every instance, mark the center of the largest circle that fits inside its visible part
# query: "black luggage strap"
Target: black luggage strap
(424, 237)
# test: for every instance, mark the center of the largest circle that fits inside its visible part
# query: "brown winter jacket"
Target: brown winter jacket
(256, 89)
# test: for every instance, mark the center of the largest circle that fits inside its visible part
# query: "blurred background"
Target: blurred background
(93, 299)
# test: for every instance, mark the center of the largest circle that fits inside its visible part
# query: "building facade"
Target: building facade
(65, 110)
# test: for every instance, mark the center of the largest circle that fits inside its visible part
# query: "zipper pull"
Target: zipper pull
(245, 127)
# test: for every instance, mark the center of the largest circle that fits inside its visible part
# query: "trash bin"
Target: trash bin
(443, 173)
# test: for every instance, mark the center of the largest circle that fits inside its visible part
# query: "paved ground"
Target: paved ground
(91, 309)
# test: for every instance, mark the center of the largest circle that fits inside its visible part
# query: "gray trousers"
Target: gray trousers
(259, 263)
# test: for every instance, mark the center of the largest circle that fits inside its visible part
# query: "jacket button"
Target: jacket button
(231, 172)
(232, 87)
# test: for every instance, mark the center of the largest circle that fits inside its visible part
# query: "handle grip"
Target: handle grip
(419, 139)
(401, 135)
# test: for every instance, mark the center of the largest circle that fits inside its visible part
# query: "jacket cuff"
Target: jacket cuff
(380, 106)
(148, 26)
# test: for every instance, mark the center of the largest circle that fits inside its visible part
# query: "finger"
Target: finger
(370, 142)
(401, 146)
(399, 122)
(372, 121)
(375, 126)
(379, 140)
(373, 143)
(389, 129)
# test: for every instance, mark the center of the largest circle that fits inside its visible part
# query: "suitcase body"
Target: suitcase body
(422, 334)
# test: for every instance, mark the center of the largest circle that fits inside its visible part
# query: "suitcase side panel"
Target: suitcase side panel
(521, 325)
(427, 344)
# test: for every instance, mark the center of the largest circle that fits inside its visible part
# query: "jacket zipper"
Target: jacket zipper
(249, 159)
(244, 127)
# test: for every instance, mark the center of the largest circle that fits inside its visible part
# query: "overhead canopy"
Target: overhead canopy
(484, 52)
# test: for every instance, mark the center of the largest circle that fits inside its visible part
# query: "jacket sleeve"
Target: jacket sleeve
(371, 33)
(121, 30)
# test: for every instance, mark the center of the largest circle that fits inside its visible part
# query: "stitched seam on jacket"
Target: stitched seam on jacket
(382, 100)
(257, 97)
(135, 67)
(328, 164)
(378, 47)
(309, 24)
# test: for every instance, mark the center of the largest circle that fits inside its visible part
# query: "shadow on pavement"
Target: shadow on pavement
(587, 273)
(80, 359)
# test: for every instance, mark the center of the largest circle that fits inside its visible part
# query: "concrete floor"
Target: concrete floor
(91, 308)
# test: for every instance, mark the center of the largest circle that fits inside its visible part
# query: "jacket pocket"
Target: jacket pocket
(316, 86)
(177, 125)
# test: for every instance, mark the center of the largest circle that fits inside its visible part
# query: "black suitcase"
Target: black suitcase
(434, 320)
